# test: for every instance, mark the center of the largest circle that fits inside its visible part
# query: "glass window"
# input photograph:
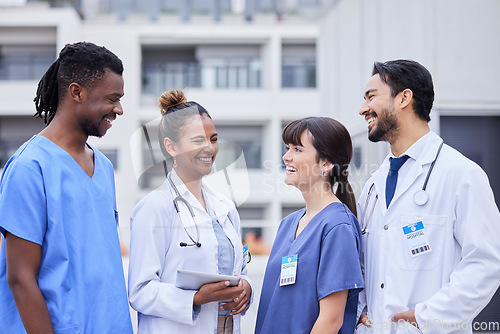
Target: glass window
(14, 131)
(112, 155)
(167, 68)
(298, 66)
(230, 72)
(235, 139)
(207, 66)
(289, 209)
(24, 62)
(252, 220)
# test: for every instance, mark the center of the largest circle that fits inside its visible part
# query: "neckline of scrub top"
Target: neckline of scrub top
(313, 219)
(66, 153)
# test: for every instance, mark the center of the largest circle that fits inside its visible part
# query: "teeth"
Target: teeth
(108, 120)
(291, 169)
(205, 159)
(371, 120)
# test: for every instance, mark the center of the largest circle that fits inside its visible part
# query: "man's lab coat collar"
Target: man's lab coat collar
(423, 150)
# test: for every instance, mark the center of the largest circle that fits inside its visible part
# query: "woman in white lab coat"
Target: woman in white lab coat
(164, 240)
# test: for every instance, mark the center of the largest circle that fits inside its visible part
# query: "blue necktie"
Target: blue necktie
(392, 178)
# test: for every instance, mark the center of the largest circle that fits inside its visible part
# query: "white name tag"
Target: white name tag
(417, 241)
(288, 269)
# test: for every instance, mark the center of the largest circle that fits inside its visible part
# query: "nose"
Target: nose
(364, 108)
(286, 156)
(210, 146)
(118, 109)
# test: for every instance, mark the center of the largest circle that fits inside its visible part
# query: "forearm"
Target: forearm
(32, 307)
(327, 325)
(331, 313)
(23, 263)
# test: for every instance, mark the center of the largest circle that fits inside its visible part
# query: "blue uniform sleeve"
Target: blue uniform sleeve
(22, 201)
(339, 265)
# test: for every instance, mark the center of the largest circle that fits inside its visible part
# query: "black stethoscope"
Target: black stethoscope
(419, 198)
(179, 199)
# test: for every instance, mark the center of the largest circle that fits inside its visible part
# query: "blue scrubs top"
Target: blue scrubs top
(48, 199)
(329, 253)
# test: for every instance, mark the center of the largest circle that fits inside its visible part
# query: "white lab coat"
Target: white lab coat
(155, 256)
(450, 285)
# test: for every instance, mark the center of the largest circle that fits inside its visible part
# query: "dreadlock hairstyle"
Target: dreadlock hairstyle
(83, 63)
(333, 144)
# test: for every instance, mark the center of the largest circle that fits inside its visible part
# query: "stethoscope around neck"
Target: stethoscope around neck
(419, 198)
(179, 199)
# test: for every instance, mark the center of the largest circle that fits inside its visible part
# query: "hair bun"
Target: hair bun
(171, 99)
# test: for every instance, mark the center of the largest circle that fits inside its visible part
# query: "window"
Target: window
(22, 62)
(357, 156)
(112, 155)
(252, 221)
(298, 66)
(286, 210)
(167, 68)
(202, 66)
(237, 139)
(235, 66)
(14, 131)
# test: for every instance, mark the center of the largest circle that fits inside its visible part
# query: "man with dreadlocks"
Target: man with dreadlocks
(60, 261)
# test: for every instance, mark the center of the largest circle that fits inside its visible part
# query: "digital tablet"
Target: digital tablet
(193, 280)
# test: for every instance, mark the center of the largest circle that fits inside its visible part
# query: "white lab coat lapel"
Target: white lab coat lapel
(424, 156)
(379, 179)
(198, 210)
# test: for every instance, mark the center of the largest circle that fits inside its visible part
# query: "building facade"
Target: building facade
(255, 66)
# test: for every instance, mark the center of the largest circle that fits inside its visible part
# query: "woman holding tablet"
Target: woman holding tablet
(186, 225)
(313, 275)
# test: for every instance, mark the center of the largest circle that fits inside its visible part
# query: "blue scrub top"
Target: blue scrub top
(329, 253)
(48, 199)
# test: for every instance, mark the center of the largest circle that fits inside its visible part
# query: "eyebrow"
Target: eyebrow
(203, 137)
(369, 91)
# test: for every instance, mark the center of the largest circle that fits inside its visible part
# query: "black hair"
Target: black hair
(83, 63)
(402, 74)
(333, 143)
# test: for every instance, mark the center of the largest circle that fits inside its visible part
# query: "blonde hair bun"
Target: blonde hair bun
(171, 99)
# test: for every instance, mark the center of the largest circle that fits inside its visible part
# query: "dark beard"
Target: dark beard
(92, 129)
(387, 126)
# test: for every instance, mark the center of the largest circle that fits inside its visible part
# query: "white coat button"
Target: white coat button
(382, 285)
(386, 227)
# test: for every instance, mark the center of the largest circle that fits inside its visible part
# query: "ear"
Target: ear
(169, 146)
(405, 98)
(75, 91)
(326, 167)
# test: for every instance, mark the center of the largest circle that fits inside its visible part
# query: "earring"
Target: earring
(175, 163)
(323, 174)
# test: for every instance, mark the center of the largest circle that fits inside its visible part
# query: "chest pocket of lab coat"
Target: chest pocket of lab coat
(435, 231)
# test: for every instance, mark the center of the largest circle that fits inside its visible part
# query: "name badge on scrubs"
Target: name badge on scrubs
(416, 239)
(288, 269)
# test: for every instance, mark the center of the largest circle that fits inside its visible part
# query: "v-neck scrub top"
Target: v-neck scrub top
(48, 199)
(329, 252)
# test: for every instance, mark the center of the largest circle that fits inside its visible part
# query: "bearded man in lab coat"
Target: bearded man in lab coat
(431, 258)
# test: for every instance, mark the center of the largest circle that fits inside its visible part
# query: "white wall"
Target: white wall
(457, 40)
